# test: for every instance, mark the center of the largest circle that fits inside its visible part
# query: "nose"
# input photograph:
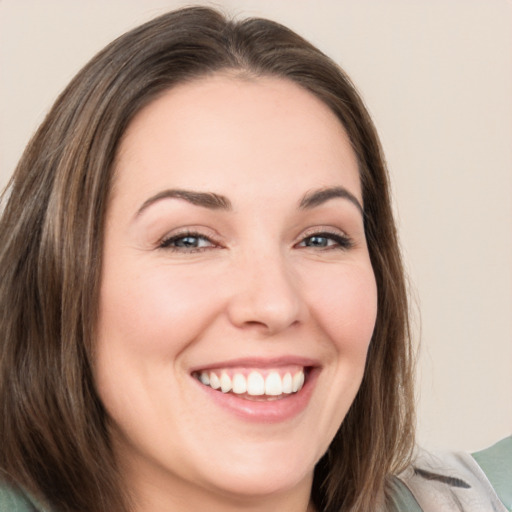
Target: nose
(266, 295)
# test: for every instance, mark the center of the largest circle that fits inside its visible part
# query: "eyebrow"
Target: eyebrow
(205, 199)
(214, 201)
(317, 197)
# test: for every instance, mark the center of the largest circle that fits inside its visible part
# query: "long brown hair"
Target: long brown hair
(53, 427)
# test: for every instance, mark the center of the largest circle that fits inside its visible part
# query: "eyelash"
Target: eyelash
(342, 242)
(166, 243)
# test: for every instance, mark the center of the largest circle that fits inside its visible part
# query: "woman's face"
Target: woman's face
(234, 254)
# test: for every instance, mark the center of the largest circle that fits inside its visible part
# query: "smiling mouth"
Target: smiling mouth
(255, 384)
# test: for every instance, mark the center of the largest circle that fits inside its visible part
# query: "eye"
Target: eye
(326, 240)
(187, 242)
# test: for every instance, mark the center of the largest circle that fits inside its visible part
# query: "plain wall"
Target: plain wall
(437, 77)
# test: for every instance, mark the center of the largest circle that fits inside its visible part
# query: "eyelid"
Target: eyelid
(341, 238)
(165, 242)
(316, 230)
(344, 241)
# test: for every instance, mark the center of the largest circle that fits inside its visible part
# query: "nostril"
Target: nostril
(265, 313)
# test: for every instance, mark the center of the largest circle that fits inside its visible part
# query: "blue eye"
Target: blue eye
(186, 242)
(326, 241)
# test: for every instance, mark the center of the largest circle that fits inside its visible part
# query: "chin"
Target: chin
(262, 471)
(247, 483)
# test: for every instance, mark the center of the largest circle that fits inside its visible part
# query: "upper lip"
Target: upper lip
(259, 362)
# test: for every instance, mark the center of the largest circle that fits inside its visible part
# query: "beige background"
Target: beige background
(437, 77)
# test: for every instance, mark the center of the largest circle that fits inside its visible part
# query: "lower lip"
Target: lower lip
(272, 411)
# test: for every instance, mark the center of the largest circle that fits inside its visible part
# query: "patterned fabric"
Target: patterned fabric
(451, 482)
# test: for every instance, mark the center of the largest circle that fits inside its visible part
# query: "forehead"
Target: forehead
(225, 131)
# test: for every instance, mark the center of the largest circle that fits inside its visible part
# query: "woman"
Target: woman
(203, 304)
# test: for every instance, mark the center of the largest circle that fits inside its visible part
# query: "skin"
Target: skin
(252, 283)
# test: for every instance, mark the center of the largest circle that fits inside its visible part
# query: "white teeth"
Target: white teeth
(273, 384)
(239, 384)
(287, 383)
(255, 384)
(214, 381)
(225, 383)
(297, 381)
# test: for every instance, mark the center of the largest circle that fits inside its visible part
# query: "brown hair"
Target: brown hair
(52, 425)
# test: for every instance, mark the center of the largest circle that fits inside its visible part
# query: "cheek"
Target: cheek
(156, 311)
(145, 324)
(345, 305)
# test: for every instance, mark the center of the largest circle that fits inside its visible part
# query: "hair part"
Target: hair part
(54, 430)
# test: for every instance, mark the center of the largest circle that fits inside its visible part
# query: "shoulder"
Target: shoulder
(458, 481)
(13, 500)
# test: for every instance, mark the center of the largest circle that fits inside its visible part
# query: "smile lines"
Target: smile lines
(254, 384)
